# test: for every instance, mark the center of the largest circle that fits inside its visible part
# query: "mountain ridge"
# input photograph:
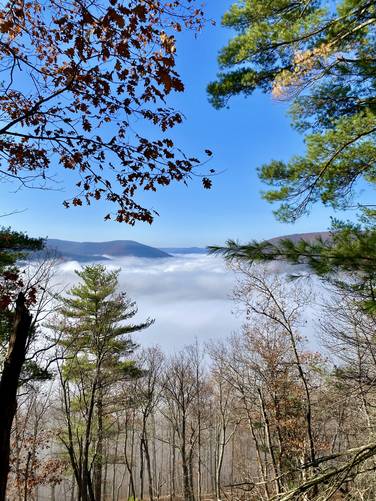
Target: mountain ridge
(87, 251)
(295, 237)
(95, 251)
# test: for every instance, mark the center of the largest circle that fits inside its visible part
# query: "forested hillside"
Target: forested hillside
(262, 413)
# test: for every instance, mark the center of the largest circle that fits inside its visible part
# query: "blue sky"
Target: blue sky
(251, 132)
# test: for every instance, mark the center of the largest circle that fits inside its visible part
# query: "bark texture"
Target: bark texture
(9, 383)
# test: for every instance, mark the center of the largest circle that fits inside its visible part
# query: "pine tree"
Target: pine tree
(94, 328)
(321, 57)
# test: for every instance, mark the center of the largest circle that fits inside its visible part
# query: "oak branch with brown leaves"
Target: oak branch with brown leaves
(79, 79)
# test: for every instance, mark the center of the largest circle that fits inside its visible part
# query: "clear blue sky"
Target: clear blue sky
(253, 131)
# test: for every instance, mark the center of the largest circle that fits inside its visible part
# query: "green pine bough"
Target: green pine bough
(321, 57)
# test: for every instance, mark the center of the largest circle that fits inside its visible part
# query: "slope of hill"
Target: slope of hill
(308, 237)
(94, 251)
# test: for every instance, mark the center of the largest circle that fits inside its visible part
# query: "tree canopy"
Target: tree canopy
(13, 246)
(321, 55)
(78, 79)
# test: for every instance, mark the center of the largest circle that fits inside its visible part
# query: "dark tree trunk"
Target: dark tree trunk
(172, 467)
(148, 466)
(141, 471)
(190, 469)
(98, 465)
(144, 452)
(9, 383)
(186, 482)
(129, 464)
(187, 474)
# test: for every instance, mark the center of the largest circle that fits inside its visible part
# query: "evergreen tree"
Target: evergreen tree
(94, 328)
(346, 259)
(321, 56)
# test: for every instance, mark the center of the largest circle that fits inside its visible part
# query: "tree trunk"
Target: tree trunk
(9, 383)
(73, 488)
(276, 472)
(141, 470)
(98, 465)
(148, 467)
(218, 468)
(172, 451)
(115, 461)
(190, 466)
(53, 496)
(186, 481)
(187, 493)
(261, 466)
(129, 464)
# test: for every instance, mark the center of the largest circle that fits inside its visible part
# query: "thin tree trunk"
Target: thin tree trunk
(105, 476)
(190, 469)
(232, 461)
(148, 467)
(98, 465)
(26, 479)
(172, 466)
(258, 451)
(73, 487)
(129, 465)
(199, 460)
(219, 461)
(9, 383)
(156, 475)
(115, 461)
(185, 464)
(141, 469)
(276, 471)
(87, 485)
(199, 487)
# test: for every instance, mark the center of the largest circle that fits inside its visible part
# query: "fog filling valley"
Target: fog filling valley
(189, 296)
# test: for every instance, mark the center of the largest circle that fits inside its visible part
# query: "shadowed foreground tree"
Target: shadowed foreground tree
(15, 329)
(77, 79)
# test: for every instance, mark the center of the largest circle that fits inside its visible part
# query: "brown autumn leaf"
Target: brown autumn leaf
(93, 71)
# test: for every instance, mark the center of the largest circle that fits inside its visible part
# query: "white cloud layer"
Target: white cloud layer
(188, 295)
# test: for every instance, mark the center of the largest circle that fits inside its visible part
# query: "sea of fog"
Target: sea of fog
(189, 296)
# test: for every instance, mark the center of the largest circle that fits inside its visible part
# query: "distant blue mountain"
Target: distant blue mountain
(99, 251)
(102, 251)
